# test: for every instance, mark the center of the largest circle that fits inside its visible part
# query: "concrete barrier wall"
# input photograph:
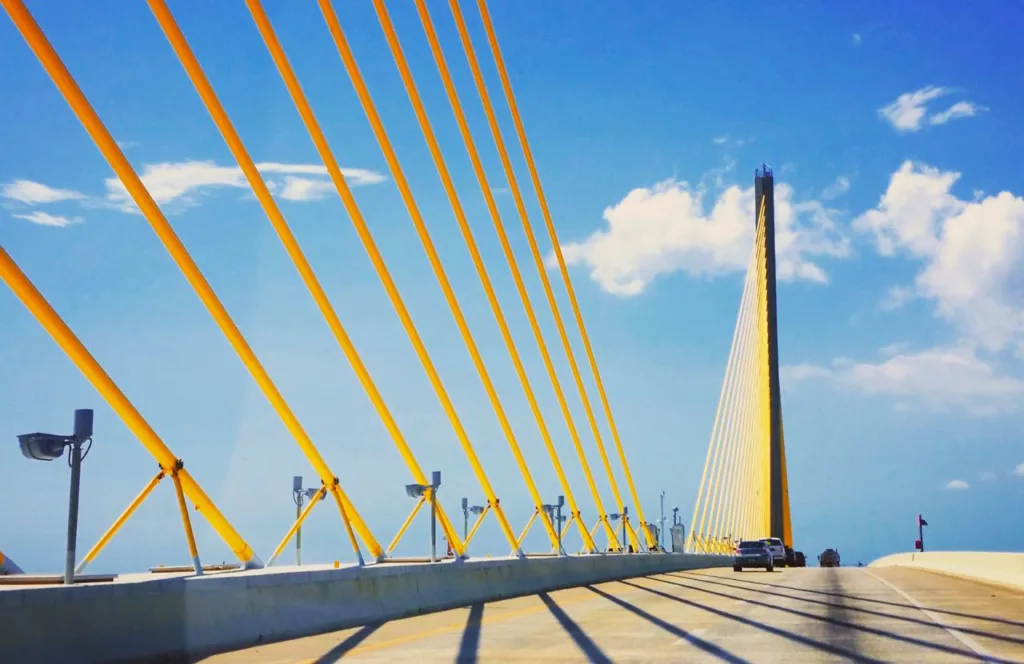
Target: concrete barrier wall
(1001, 568)
(184, 617)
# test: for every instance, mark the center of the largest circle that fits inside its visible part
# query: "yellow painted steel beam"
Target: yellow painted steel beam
(476, 524)
(23, 289)
(532, 166)
(305, 111)
(107, 536)
(94, 126)
(190, 537)
(787, 525)
(405, 525)
(249, 168)
(534, 249)
(467, 234)
(522, 535)
(366, 100)
(317, 497)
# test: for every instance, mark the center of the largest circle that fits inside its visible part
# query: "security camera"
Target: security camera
(43, 446)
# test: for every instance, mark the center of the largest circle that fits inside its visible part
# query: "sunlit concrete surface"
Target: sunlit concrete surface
(794, 615)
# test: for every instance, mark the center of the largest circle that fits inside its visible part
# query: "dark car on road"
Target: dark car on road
(752, 554)
(799, 559)
(829, 558)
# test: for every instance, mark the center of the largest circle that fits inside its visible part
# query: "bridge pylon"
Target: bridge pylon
(744, 491)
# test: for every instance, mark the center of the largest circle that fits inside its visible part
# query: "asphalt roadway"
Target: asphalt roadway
(792, 615)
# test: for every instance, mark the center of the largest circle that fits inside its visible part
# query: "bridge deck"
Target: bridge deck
(810, 614)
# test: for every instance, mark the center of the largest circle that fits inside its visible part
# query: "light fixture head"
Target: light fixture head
(43, 446)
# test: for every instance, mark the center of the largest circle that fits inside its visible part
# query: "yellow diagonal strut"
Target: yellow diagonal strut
(23, 289)
(348, 200)
(195, 73)
(537, 258)
(492, 298)
(51, 62)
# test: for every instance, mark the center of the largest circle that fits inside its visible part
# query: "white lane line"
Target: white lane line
(942, 622)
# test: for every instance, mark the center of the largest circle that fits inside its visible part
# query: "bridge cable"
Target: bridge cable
(366, 100)
(485, 188)
(534, 249)
(728, 435)
(133, 184)
(416, 100)
(206, 92)
(348, 200)
(726, 410)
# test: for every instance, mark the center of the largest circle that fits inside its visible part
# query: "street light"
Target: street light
(661, 523)
(418, 491)
(624, 516)
(47, 447)
(466, 510)
(299, 496)
(554, 513)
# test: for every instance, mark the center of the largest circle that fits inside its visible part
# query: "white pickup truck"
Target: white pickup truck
(777, 549)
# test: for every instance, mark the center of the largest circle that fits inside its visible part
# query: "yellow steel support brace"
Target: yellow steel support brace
(476, 524)
(534, 249)
(405, 526)
(193, 552)
(277, 53)
(133, 184)
(467, 234)
(12, 275)
(107, 536)
(317, 497)
(220, 117)
(522, 535)
(532, 166)
(366, 100)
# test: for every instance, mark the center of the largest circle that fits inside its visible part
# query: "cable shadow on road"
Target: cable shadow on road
(583, 642)
(706, 646)
(469, 646)
(354, 639)
(804, 614)
(859, 598)
(777, 631)
(846, 607)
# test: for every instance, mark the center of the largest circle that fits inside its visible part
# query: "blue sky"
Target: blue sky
(895, 144)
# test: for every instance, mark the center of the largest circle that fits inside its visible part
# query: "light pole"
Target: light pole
(299, 495)
(624, 516)
(47, 447)
(468, 509)
(661, 524)
(554, 513)
(418, 491)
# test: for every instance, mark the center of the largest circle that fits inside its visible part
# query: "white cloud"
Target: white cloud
(1019, 470)
(961, 109)
(306, 189)
(47, 219)
(939, 378)
(893, 349)
(857, 39)
(957, 485)
(896, 297)
(795, 373)
(33, 193)
(909, 111)
(720, 140)
(972, 251)
(988, 476)
(665, 229)
(836, 189)
(178, 182)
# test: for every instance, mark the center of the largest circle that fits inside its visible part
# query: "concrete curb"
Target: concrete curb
(183, 617)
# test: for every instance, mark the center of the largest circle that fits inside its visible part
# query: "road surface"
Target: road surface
(793, 615)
